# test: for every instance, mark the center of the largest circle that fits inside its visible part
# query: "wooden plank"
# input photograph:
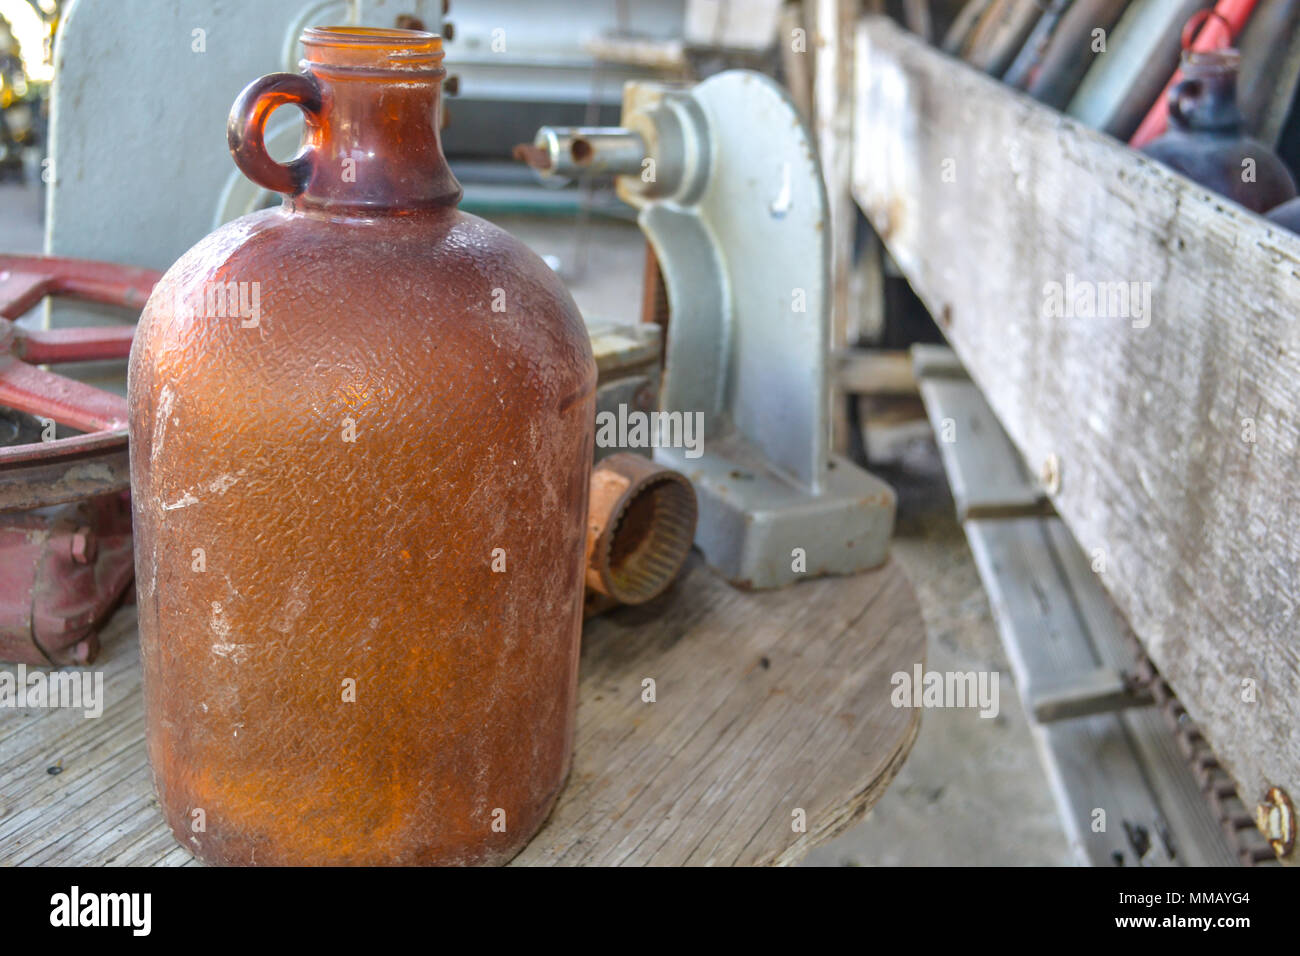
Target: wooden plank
(866, 320)
(936, 361)
(1196, 835)
(987, 477)
(891, 425)
(1092, 762)
(765, 703)
(1176, 789)
(830, 26)
(795, 67)
(916, 14)
(1148, 416)
(875, 372)
(1089, 761)
(1102, 690)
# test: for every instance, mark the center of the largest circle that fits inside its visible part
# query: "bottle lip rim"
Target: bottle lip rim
(1221, 57)
(382, 49)
(371, 36)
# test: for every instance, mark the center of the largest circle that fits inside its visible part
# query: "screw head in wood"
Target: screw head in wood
(1050, 474)
(1275, 818)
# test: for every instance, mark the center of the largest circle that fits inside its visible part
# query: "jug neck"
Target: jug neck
(1206, 98)
(375, 145)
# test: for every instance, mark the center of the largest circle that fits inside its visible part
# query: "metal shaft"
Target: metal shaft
(566, 152)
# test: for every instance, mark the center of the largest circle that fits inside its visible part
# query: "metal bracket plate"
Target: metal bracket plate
(737, 214)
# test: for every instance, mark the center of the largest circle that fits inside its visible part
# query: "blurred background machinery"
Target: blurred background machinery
(26, 37)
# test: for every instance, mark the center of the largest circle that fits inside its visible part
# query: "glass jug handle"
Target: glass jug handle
(246, 129)
(1183, 98)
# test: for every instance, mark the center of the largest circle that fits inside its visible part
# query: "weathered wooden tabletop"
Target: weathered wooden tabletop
(765, 705)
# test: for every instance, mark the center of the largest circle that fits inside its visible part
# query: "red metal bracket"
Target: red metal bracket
(52, 472)
(64, 568)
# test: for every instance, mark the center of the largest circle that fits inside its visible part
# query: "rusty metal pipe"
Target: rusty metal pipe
(641, 522)
(566, 152)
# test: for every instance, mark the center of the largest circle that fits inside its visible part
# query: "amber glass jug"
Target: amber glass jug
(361, 435)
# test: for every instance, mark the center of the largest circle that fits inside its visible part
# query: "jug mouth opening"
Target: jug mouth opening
(348, 49)
(1209, 62)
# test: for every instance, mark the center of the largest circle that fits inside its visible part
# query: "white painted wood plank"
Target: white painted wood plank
(987, 477)
(1171, 781)
(1145, 413)
(1089, 760)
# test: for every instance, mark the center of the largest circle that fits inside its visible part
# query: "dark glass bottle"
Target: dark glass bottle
(1287, 215)
(1206, 141)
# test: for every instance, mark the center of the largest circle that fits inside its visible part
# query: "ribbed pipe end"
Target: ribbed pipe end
(642, 524)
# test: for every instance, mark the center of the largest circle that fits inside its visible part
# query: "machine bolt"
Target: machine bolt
(1275, 818)
(84, 545)
(1050, 474)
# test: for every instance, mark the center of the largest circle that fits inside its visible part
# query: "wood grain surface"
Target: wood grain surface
(765, 703)
(1176, 432)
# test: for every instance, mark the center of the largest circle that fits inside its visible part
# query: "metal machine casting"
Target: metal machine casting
(730, 195)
